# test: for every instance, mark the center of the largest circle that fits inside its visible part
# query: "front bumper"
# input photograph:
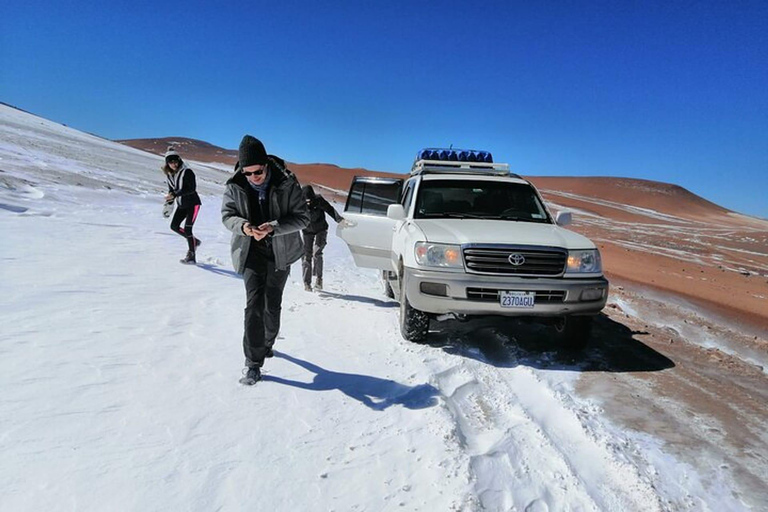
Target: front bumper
(473, 294)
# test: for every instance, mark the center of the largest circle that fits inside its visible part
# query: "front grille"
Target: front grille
(492, 295)
(496, 260)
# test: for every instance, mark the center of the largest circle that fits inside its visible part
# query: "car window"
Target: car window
(479, 199)
(407, 196)
(373, 198)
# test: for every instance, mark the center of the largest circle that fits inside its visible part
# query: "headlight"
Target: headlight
(438, 255)
(584, 261)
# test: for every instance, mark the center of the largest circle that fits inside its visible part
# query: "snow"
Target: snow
(119, 373)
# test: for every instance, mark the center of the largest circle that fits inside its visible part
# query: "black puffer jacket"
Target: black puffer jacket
(318, 207)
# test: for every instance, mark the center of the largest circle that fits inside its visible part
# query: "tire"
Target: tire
(388, 291)
(414, 324)
(574, 332)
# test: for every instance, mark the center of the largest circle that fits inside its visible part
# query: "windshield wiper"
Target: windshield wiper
(453, 215)
(521, 219)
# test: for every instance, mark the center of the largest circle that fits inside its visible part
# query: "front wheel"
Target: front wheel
(414, 324)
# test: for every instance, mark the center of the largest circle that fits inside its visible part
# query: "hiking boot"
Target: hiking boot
(307, 287)
(319, 283)
(252, 376)
(189, 259)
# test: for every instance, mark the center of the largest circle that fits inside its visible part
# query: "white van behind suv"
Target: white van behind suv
(463, 236)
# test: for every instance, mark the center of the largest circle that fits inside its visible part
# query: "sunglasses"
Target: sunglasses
(173, 160)
(255, 173)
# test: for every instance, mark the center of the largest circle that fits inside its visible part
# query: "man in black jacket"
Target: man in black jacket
(315, 236)
(264, 210)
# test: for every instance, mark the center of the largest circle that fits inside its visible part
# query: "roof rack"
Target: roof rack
(448, 167)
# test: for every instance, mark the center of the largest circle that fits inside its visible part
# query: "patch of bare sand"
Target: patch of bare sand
(728, 294)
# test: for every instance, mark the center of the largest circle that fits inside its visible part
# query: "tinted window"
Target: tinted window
(355, 198)
(484, 199)
(374, 198)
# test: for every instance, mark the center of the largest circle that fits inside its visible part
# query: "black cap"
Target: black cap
(251, 152)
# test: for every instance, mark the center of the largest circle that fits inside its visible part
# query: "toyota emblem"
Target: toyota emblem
(516, 259)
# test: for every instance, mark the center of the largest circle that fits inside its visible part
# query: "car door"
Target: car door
(369, 237)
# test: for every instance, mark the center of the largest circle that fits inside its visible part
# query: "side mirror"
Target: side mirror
(395, 212)
(563, 218)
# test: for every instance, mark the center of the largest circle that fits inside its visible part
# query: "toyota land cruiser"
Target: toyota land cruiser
(464, 236)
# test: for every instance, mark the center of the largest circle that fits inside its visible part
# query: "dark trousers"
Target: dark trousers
(264, 286)
(313, 255)
(188, 215)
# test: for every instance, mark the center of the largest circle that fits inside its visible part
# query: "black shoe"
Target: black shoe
(252, 376)
(189, 259)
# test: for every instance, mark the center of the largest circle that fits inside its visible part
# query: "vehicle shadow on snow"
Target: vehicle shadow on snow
(507, 342)
(376, 393)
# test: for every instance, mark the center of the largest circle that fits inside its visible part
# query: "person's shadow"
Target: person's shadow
(357, 298)
(376, 393)
(218, 270)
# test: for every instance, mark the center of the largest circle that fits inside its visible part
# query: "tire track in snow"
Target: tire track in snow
(527, 450)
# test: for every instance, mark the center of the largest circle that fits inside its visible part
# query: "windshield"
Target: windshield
(479, 200)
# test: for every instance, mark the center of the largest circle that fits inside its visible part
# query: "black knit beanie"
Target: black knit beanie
(251, 152)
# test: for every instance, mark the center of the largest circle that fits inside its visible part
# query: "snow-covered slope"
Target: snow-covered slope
(119, 374)
(48, 153)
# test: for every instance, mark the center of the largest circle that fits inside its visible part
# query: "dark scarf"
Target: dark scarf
(261, 189)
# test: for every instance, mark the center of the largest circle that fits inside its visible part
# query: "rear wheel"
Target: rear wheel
(414, 324)
(574, 331)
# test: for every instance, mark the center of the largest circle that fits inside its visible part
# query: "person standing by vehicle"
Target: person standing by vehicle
(264, 210)
(182, 189)
(316, 236)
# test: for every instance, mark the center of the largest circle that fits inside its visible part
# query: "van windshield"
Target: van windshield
(479, 200)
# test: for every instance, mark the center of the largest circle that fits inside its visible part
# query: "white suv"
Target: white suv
(463, 236)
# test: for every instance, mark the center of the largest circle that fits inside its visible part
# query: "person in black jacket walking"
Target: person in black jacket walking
(182, 189)
(264, 210)
(315, 236)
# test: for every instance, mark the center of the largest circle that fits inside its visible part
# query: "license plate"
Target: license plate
(517, 299)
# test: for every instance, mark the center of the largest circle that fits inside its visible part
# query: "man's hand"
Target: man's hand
(262, 231)
(344, 223)
(169, 197)
(258, 233)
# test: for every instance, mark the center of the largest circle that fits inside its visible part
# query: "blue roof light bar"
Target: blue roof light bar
(454, 155)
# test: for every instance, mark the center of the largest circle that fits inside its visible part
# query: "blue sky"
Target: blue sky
(668, 91)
